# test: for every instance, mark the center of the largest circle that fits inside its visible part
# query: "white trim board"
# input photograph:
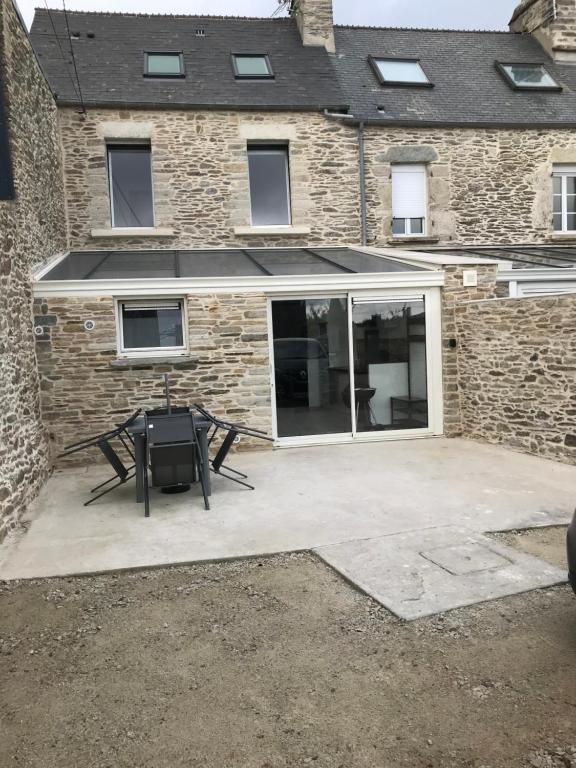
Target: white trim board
(277, 284)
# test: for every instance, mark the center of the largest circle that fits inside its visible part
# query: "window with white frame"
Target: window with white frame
(269, 174)
(130, 182)
(151, 327)
(409, 200)
(564, 198)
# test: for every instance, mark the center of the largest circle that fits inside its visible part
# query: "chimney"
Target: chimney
(552, 23)
(315, 22)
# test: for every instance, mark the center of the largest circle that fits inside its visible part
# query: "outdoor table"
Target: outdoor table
(138, 431)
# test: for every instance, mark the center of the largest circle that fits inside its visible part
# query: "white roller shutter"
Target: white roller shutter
(409, 191)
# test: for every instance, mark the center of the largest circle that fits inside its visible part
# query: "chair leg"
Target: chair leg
(235, 471)
(112, 487)
(146, 490)
(110, 480)
(202, 476)
(234, 479)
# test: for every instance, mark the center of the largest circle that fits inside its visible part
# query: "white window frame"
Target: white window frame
(271, 148)
(111, 145)
(563, 172)
(423, 171)
(132, 352)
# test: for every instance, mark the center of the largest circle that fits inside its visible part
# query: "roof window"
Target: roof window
(253, 66)
(163, 64)
(527, 77)
(399, 72)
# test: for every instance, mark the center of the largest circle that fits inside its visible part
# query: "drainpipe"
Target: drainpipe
(361, 168)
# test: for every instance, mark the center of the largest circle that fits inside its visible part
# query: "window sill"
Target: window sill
(561, 237)
(138, 362)
(289, 231)
(132, 232)
(413, 239)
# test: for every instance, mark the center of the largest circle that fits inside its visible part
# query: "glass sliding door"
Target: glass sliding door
(390, 368)
(311, 367)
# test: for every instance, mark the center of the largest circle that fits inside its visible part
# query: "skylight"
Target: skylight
(163, 64)
(528, 77)
(399, 72)
(252, 66)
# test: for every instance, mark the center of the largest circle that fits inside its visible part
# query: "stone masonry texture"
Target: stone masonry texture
(485, 186)
(32, 229)
(454, 294)
(516, 373)
(85, 386)
(200, 170)
(552, 22)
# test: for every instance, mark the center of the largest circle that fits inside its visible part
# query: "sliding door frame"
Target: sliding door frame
(433, 310)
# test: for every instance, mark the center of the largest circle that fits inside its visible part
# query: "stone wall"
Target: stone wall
(200, 169)
(454, 294)
(32, 229)
(315, 21)
(486, 186)
(516, 371)
(553, 24)
(85, 383)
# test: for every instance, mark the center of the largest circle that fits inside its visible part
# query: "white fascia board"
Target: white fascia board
(536, 274)
(424, 258)
(278, 284)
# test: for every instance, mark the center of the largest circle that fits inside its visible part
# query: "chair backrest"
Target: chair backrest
(130, 420)
(172, 446)
(113, 459)
(169, 429)
(176, 410)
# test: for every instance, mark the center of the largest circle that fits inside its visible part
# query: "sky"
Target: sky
(450, 14)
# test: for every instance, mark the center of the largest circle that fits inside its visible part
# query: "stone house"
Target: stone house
(332, 232)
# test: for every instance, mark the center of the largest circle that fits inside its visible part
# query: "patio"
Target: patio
(386, 515)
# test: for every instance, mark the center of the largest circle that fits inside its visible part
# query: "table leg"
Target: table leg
(139, 460)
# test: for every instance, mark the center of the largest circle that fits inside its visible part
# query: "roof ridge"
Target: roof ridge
(426, 29)
(162, 15)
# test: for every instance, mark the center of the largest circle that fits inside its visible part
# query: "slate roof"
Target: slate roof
(110, 64)
(467, 88)
(461, 64)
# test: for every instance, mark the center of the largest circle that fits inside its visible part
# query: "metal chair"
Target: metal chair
(103, 442)
(174, 455)
(233, 433)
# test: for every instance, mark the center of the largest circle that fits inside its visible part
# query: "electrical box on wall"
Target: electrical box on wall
(470, 278)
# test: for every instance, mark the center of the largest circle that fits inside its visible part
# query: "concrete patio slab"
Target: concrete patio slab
(305, 498)
(421, 573)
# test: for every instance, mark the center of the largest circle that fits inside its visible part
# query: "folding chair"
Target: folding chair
(174, 454)
(233, 432)
(103, 442)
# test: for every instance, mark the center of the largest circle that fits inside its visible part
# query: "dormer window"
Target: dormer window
(527, 77)
(400, 72)
(252, 66)
(163, 64)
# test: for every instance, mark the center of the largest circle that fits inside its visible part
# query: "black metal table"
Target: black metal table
(138, 432)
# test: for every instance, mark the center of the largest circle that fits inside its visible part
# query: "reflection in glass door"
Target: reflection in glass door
(390, 379)
(311, 367)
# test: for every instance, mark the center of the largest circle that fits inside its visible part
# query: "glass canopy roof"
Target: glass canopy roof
(521, 256)
(239, 262)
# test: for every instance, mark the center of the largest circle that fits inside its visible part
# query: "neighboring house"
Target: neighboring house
(314, 228)
(32, 230)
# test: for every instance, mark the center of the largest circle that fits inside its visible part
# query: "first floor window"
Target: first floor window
(269, 185)
(409, 200)
(130, 180)
(151, 326)
(564, 198)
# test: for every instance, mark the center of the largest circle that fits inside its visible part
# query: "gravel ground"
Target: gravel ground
(278, 663)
